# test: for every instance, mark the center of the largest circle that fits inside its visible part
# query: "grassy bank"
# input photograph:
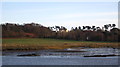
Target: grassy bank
(40, 43)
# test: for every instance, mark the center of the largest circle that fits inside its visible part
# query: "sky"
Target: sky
(68, 14)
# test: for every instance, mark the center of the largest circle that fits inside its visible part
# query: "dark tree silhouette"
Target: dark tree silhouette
(87, 33)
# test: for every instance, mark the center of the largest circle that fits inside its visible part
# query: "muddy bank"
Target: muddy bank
(29, 55)
(101, 55)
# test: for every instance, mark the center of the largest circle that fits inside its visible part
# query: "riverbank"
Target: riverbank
(42, 44)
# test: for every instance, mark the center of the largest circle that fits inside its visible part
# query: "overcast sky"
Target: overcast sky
(68, 14)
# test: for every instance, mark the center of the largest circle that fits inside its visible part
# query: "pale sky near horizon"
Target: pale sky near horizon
(68, 14)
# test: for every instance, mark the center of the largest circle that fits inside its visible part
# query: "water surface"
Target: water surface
(58, 57)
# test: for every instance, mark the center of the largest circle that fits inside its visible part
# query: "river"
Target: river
(70, 56)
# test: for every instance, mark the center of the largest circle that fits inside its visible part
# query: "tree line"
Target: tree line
(108, 32)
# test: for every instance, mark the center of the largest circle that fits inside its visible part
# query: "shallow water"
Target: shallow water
(66, 52)
(47, 60)
(51, 57)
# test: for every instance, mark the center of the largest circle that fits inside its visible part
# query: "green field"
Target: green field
(41, 43)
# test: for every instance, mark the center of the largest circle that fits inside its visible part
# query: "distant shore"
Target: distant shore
(46, 43)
